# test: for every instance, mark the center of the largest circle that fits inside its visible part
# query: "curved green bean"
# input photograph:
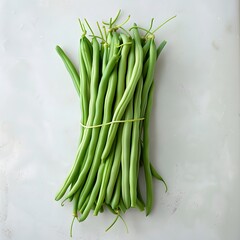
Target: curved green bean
(84, 86)
(71, 69)
(87, 56)
(126, 135)
(134, 155)
(158, 176)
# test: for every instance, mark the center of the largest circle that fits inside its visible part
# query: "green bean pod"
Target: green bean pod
(159, 50)
(146, 162)
(134, 155)
(71, 69)
(87, 56)
(149, 78)
(126, 135)
(84, 85)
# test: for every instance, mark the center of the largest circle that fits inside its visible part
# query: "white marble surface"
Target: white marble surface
(195, 126)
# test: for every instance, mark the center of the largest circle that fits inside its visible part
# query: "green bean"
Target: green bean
(126, 148)
(147, 170)
(149, 78)
(159, 50)
(122, 68)
(145, 98)
(84, 86)
(128, 94)
(94, 80)
(87, 56)
(71, 69)
(73, 73)
(134, 155)
(126, 135)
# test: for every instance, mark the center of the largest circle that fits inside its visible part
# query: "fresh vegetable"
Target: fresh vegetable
(115, 87)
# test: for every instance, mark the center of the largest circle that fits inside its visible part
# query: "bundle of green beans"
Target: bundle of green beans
(115, 84)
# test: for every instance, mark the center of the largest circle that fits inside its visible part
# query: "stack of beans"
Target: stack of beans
(115, 84)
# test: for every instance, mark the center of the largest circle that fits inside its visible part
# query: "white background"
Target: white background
(194, 129)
